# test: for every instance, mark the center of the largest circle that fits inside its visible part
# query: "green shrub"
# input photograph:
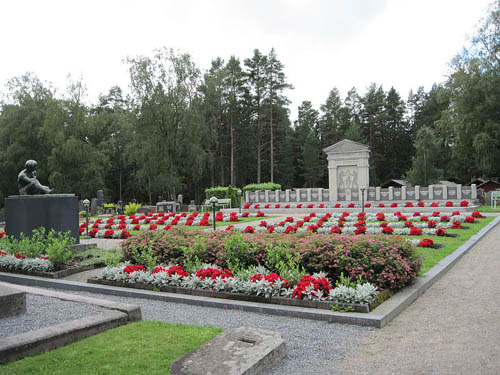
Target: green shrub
(223, 192)
(82, 213)
(131, 208)
(59, 246)
(262, 187)
(109, 205)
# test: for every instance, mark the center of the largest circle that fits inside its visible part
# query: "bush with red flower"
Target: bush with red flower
(464, 203)
(387, 230)
(426, 242)
(310, 287)
(133, 268)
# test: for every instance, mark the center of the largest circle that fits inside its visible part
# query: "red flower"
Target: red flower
(476, 215)
(449, 204)
(319, 284)
(469, 219)
(421, 204)
(360, 230)
(132, 268)
(336, 230)
(394, 204)
(424, 218)
(229, 227)
(431, 224)
(277, 206)
(434, 204)
(310, 206)
(380, 216)
(270, 228)
(3, 252)
(426, 242)
(263, 223)
(124, 234)
(436, 213)
(455, 213)
(174, 270)
(337, 205)
(93, 232)
(213, 273)
(299, 205)
(109, 233)
(167, 227)
(415, 214)
(408, 224)
(456, 225)
(387, 230)
(312, 228)
(409, 204)
(19, 255)
(249, 229)
(256, 206)
(464, 204)
(260, 214)
(153, 227)
(368, 205)
(246, 206)
(267, 206)
(381, 205)
(351, 205)
(383, 224)
(287, 206)
(440, 231)
(289, 229)
(245, 214)
(445, 218)
(322, 205)
(414, 231)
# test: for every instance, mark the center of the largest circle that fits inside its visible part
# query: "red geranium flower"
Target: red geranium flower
(387, 230)
(464, 204)
(351, 205)
(336, 230)
(426, 242)
(249, 229)
(133, 267)
(420, 204)
(440, 231)
(394, 204)
(229, 227)
(449, 204)
(414, 231)
(246, 206)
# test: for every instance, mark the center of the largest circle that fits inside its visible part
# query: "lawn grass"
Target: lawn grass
(94, 256)
(147, 347)
(433, 256)
(489, 208)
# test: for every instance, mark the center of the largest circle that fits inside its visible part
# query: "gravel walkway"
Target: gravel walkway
(313, 347)
(453, 328)
(43, 312)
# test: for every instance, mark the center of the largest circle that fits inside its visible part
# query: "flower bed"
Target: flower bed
(410, 224)
(388, 262)
(121, 226)
(259, 206)
(211, 281)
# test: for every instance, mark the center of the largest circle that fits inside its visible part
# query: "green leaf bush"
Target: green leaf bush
(262, 187)
(223, 192)
(132, 208)
(390, 263)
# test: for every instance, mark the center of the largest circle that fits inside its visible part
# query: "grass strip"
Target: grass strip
(433, 256)
(146, 347)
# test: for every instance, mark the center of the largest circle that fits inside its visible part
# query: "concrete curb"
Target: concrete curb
(378, 318)
(39, 341)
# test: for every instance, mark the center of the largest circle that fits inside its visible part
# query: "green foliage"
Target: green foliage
(131, 208)
(425, 169)
(82, 213)
(144, 255)
(341, 308)
(112, 257)
(59, 246)
(281, 260)
(223, 192)
(262, 187)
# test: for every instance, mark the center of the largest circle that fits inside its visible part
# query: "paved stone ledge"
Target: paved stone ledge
(16, 347)
(378, 318)
(12, 301)
(236, 351)
(133, 312)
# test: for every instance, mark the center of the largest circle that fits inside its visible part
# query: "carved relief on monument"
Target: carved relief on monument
(347, 177)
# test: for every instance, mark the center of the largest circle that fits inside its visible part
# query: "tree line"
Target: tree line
(181, 130)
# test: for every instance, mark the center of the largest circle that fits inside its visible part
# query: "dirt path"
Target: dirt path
(454, 328)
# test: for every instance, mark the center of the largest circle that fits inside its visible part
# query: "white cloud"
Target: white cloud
(323, 43)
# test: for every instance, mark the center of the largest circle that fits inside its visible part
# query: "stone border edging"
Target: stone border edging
(378, 318)
(30, 343)
(44, 339)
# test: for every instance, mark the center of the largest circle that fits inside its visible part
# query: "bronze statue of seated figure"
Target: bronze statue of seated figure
(28, 183)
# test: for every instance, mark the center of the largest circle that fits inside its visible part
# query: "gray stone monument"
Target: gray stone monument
(348, 169)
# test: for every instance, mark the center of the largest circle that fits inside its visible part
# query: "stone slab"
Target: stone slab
(237, 351)
(52, 211)
(16, 347)
(12, 302)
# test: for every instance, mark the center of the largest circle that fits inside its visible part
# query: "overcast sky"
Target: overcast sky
(322, 43)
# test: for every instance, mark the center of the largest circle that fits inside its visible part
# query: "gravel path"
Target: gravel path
(313, 347)
(43, 312)
(454, 328)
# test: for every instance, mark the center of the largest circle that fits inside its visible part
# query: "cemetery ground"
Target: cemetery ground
(350, 348)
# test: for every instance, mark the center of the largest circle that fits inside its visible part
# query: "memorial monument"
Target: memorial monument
(35, 207)
(348, 170)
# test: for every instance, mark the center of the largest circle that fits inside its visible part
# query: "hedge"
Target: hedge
(221, 192)
(262, 187)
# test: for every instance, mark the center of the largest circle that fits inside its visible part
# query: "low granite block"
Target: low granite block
(12, 302)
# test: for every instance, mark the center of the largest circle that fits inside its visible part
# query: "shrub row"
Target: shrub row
(387, 262)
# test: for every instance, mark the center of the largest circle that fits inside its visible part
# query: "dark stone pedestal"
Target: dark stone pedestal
(53, 211)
